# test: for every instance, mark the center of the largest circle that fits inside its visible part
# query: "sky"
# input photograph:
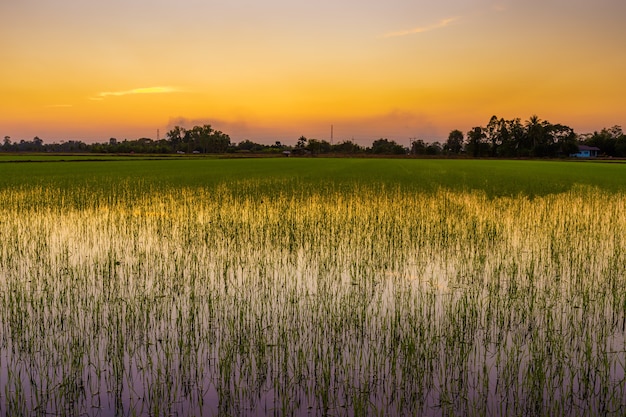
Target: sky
(277, 69)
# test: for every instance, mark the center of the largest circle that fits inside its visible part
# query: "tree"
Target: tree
(434, 149)
(176, 135)
(347, 147)
(537, 138)
(206, 140)
(197, 138)
(217, 142)
(620, 146)
(418, 147)
(384, 146)
(607, 140)
(563, 140)
(511, 138)
(302, 141)
(37, 143)
(475, 141)
(318, 146)
(454, 144)
(248, 145)
(496, 128)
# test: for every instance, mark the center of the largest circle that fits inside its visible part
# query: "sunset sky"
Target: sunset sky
(276, 69)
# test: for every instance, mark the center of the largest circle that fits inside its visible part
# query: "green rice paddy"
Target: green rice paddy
(343, 287)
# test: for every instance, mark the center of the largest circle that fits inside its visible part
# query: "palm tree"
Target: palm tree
(535, 133)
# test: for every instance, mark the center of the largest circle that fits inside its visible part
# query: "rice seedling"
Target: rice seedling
(285, 296)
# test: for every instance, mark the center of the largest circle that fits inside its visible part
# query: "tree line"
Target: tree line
(499, 138)
(535, 138)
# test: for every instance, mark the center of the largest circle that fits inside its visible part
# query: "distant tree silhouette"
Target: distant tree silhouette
(475, 141)
(385, 146)
(454, 144)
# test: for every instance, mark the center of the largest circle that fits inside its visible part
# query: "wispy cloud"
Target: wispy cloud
(441, 24)
(146, 90)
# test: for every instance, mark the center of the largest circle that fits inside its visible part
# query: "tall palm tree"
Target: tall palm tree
(534, 132)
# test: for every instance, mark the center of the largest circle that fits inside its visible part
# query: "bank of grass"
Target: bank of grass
(312, 286)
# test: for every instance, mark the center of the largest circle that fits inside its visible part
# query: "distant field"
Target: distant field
(496, 178)
(312, 286)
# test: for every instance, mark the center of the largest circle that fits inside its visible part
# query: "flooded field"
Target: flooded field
(292, 297)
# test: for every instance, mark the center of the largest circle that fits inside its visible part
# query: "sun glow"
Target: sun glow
(452, 64)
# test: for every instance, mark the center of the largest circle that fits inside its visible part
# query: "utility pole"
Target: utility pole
(331, 134)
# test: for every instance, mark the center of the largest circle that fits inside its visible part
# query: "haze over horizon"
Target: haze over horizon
(276, 70)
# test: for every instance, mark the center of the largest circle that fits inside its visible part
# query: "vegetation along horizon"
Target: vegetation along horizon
(312, 286)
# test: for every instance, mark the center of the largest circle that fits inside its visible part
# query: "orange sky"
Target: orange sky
(279, 69)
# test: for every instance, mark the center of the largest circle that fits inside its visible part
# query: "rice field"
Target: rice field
(312, 288)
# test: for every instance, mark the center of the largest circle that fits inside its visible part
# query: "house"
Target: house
(585, 151)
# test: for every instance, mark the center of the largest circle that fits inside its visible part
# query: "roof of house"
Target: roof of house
(587, 148)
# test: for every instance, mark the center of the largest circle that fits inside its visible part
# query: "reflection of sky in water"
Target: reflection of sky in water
(395, 341)
(157, 323)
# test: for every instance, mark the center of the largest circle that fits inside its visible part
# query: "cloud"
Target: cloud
(441, 24)
(145, 90)
(396, 124)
